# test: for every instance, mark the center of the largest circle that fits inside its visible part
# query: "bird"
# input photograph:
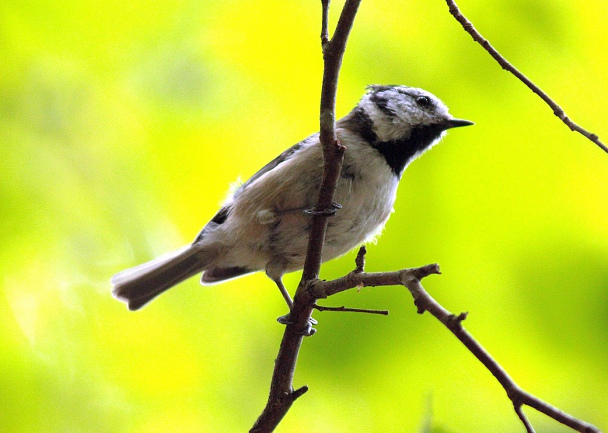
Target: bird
(264, 224)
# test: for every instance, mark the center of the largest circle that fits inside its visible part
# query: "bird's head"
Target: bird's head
(401, 122)
(397, 110)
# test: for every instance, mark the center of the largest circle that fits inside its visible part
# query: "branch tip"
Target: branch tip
(425, 271)
(339, 146)
(360, 260)
(462, 316)
(299, 393)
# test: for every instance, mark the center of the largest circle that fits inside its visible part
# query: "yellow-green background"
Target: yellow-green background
(122, 125)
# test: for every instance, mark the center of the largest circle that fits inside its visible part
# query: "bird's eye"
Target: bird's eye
(423, 101)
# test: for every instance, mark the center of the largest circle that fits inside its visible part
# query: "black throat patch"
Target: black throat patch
(398, 153)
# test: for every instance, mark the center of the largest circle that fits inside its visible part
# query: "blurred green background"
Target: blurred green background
(122, 125)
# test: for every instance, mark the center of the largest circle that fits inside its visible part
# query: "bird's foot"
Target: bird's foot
(324, 212)
(307, 331)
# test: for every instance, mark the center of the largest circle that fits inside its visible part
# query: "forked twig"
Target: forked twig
(518, 396)
(411, 278)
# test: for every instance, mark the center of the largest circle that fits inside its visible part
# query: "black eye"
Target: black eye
(423, 101)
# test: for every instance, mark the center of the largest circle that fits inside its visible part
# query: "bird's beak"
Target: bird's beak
(455, 123)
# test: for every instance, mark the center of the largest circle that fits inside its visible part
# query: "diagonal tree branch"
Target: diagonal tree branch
(410, 278)
(504, 63)
(518, 396)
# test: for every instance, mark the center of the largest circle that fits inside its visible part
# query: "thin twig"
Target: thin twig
(506, 65)
(324, 22)
(350, 310)
(360, 259)
(524, 419)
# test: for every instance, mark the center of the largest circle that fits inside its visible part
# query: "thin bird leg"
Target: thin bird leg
(284, 292)
(285, 320)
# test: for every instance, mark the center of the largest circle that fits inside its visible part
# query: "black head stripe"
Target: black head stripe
(221, 216)
(382, 103)
(358, 121)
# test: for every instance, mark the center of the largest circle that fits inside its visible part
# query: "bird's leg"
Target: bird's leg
(286, 320)
(284, 292)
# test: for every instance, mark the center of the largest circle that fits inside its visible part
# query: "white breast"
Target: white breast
(367, 192)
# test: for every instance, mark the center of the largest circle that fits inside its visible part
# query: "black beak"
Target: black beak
(455, 123)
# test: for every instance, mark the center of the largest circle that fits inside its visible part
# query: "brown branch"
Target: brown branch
(524, 419)
(360, 259)
(324, 22)
(344, 309)
(410, 278)
(519, 397)
(504, 63)
(282, 394)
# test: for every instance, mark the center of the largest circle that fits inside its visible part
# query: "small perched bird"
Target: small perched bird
(264, 226)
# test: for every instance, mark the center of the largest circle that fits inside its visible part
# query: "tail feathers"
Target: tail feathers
(219, 275)
(139, 285)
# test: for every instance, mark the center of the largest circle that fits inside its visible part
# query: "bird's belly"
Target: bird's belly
(361, 217)
(360, 222)
(279, 238)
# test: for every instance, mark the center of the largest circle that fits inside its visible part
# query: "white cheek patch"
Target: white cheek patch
(386, 128)
(370, 108)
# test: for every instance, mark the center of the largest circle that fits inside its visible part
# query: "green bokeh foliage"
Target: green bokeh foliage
(122, 125)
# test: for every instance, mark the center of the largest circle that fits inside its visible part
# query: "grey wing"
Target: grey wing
(221, 216)
(268, 167)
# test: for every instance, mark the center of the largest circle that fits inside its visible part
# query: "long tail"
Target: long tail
(139, 285)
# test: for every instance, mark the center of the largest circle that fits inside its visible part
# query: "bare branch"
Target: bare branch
(324, 22)
(282, 395)
(322, 289)
(519, 397)
(524, 419)
(410, 278)
(504, 63)
(333, 152)
(350, 310)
